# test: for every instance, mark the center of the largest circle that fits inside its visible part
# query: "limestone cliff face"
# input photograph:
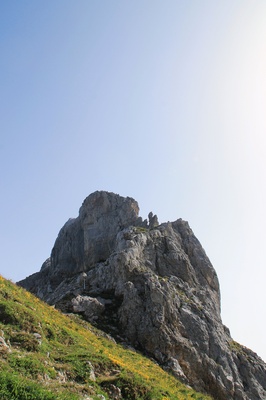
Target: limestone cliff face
(154, 286)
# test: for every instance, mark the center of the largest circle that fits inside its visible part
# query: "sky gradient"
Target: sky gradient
(160, 101)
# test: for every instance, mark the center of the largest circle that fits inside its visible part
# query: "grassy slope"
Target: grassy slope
(60, 367)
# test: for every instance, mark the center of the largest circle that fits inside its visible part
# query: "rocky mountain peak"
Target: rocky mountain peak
(90, 238)
(109, 207)
(153, 287)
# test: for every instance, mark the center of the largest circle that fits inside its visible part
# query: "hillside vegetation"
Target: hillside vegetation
(45, 355)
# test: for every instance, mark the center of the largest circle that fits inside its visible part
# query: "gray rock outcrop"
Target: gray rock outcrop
(4, 347)
(153, 285)
(89, 306)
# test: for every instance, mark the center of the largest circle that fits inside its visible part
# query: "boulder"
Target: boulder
(4, 347)
(89, 306)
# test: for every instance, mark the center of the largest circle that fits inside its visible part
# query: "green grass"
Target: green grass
(60, 366)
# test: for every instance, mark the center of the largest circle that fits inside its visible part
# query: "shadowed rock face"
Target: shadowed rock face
(90, 238)
(154, 285)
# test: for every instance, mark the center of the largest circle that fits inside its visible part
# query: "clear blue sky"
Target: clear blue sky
(161, 101)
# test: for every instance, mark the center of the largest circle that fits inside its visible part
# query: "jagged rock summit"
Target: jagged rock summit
(150, 285)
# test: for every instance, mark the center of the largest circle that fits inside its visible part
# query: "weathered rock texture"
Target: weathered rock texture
(153, 285)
